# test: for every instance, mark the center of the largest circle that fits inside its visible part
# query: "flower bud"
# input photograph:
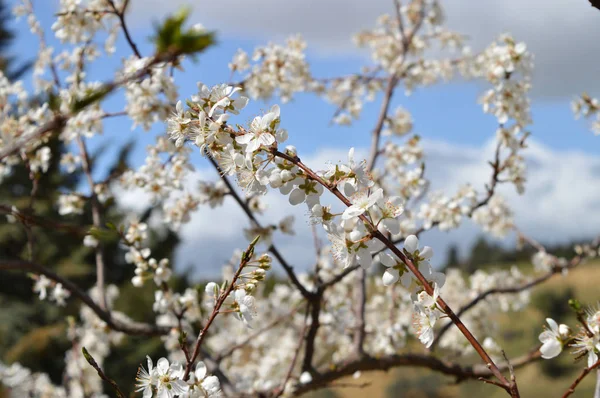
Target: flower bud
(137, 281)
(291, 150)
(212, 289)
(287, 175)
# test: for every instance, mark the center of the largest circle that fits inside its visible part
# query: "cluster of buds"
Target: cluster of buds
(239, 299)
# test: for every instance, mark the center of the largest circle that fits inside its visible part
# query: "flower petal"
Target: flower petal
(411, 243)
(550, 349)
(390, 276)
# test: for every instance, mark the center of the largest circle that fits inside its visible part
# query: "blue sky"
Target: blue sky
(447, 115)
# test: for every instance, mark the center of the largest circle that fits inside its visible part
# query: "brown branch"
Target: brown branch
(361, 303)
(340, 276)
(578, 380)
(275, 322)
(392, 82)
(375, 233)
(376, 134)
(32, 219)
(130, 328)
(483, 295)
(490, 190)
(369, 363)
(56, 123)
(309, 349)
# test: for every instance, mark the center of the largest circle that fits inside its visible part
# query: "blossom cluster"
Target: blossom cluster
(588, 107)
(586, 342)
(274, 68)
(57, 294)
(166, 379)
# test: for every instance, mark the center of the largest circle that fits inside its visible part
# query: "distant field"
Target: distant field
(583, 283)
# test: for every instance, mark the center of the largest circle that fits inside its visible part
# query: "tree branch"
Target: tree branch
(60, 120)
(121, 15)
(101, 373)
(369, 363)
(130, 328)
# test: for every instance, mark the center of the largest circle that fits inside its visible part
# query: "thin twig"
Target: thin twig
(96, 219)
(578, 380)
(275, 322)
(506, 290)
(121, 15)
(376, 134)
(246, 257)
(101, 373)
(428, 361)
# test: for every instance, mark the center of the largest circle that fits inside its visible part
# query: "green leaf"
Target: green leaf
(103, 235)
(53, 101)
(170, 36)
(575, 305)
(89, 99)
(250, 251)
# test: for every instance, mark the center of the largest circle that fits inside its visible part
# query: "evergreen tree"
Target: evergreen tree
(6, 40)
(452, 259)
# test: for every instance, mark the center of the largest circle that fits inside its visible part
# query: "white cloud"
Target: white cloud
(560, 204)
(562, 35)
(562, 186)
